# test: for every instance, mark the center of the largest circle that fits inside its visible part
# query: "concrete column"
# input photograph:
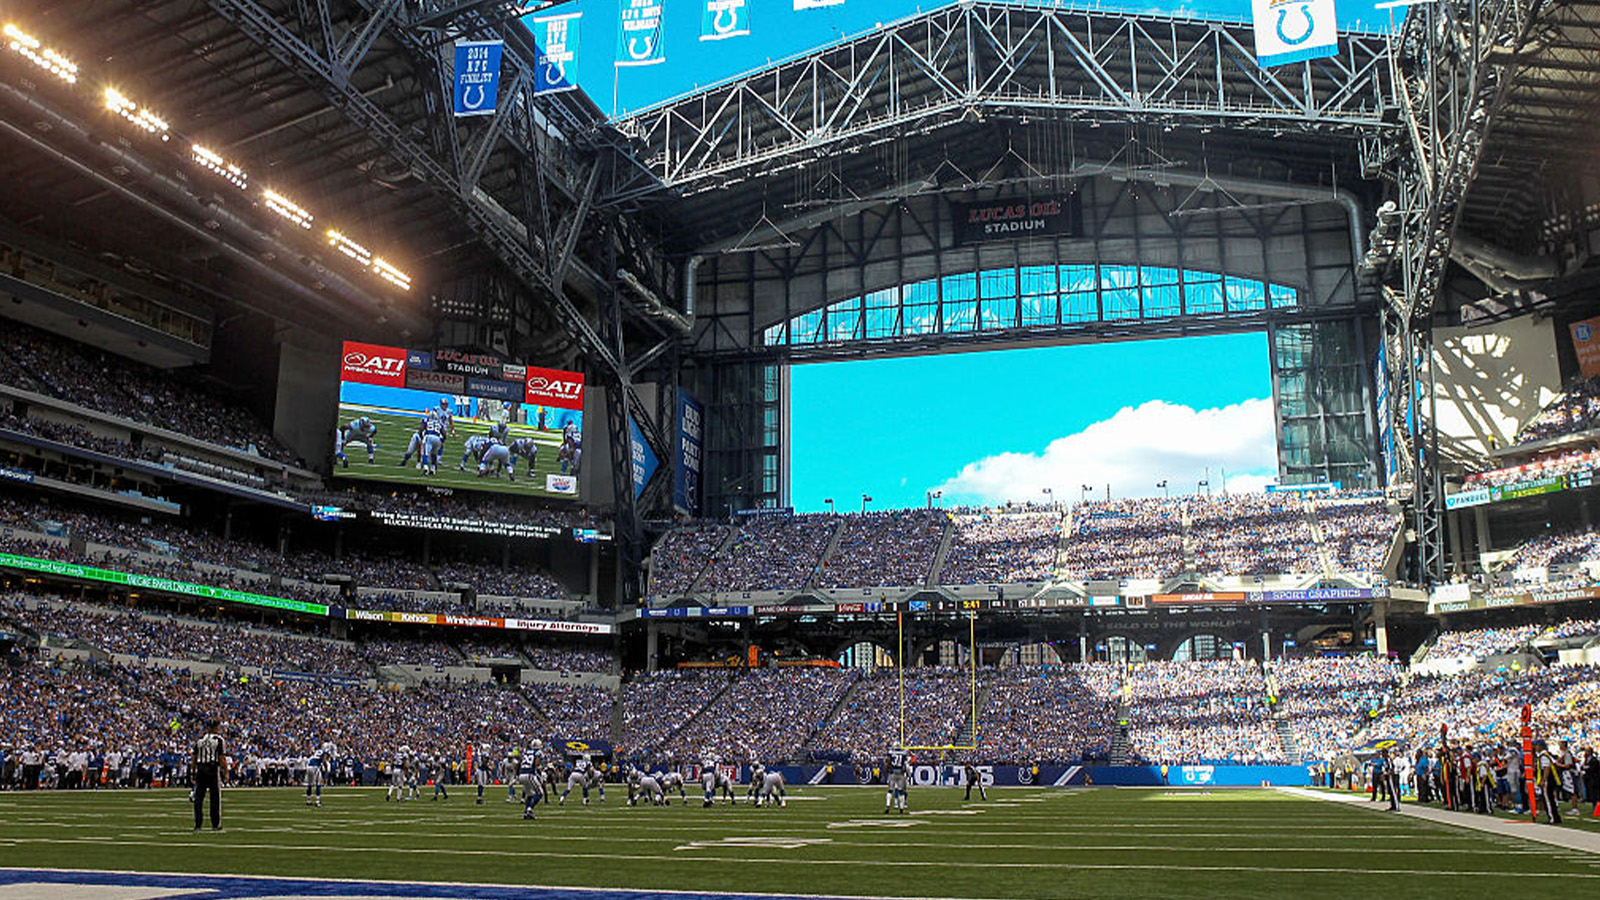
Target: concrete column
(652, 639)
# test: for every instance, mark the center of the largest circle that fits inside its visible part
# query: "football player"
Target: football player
(317, 765)
(532, 783)
(646, 787)
(356, 431)
(771, 789)
(895, 773)
(414, 448)
(672, 780)
(713, 780)
(475, 447)
(496, 457)
(571, 453)
(480, 771)
(583, 776)
(524, 448)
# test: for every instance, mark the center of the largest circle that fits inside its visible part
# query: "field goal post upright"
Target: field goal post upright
(972, 681)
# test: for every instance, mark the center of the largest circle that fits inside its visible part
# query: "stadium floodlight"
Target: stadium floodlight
(350, 248)
(287, 208)
(390, 274)
(118, 102)
(212, 160)
(46, 58)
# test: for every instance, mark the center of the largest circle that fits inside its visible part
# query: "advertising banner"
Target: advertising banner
(443, 382)
(687, 461)
(554, 387)
(1200, 598)
(1289, 31)
(724, 19)
(555, 40)
(644, 459)
(477, 77)
(373, 364)
(1017, 217)
(151, 583)
(639, 35)
(1586, 342)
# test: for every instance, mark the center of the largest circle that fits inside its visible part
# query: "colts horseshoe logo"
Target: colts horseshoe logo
(1283, 16)
(725, 20)
(467, 102)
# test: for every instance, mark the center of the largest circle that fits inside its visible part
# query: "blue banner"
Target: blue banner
(639, 34)
(724, 19)
(644, 460)
(815, 4)
(419, 359)
(477, 77)
(555, 40)
(686, 461)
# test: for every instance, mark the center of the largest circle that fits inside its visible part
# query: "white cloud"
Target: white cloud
(1132, 451)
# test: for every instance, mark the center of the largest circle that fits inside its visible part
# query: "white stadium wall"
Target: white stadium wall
(1491, 381)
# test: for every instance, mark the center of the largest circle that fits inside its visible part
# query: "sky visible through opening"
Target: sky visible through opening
(779, 31)
(1006, 425)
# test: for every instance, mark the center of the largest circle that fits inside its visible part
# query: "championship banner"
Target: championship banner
(555, 41)
(639, 35)
(724, 19)
(1586, 342)
(477, 77)
(1289, 31)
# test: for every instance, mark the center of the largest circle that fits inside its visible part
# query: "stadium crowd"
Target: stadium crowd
(1000, 545)
(1115, 539)
(37, 361)
(1251, 534)
(770, 554)
(884, 548)
(1573, 411)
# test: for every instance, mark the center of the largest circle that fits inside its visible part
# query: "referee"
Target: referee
(206, 766)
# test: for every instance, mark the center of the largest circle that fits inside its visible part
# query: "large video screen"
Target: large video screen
(459, 421)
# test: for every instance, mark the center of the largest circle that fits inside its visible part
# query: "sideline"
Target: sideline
(1569, 838)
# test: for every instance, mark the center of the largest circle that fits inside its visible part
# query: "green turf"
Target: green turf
(1023, 843)
(394, 432)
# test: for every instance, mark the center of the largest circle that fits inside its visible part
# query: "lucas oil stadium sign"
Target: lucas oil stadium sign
(1017, 217)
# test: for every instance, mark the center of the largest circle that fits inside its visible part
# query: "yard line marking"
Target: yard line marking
(893, 863)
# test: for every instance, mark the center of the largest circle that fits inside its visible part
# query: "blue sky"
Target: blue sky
(778, 31)
(991, 426)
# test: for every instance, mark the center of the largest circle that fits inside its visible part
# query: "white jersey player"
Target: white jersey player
(357, 431)
(672, 780)
(769, 787)
(474, 449)
(317, 766)
(584, 776)
(645, 787)
(496, 458)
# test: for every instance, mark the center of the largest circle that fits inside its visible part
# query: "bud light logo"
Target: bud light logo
(373, 364)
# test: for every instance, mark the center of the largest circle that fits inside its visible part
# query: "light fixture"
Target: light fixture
(287, 208)
(119, 103)
(350, 248)
(391, 274)
(37, 53)
(224, 169)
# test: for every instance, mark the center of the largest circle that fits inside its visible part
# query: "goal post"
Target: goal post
(972, 684)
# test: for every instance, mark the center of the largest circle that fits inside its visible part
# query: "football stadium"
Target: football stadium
(965, 450)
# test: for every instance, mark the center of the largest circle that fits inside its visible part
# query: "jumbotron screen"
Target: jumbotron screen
(455, 420)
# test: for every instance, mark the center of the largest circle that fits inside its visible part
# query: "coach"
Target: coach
(206, 764)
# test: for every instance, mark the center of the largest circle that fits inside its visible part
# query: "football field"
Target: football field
(394, 434)
(1022, 843)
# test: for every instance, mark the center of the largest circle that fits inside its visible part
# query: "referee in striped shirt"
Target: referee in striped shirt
(207, 773)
